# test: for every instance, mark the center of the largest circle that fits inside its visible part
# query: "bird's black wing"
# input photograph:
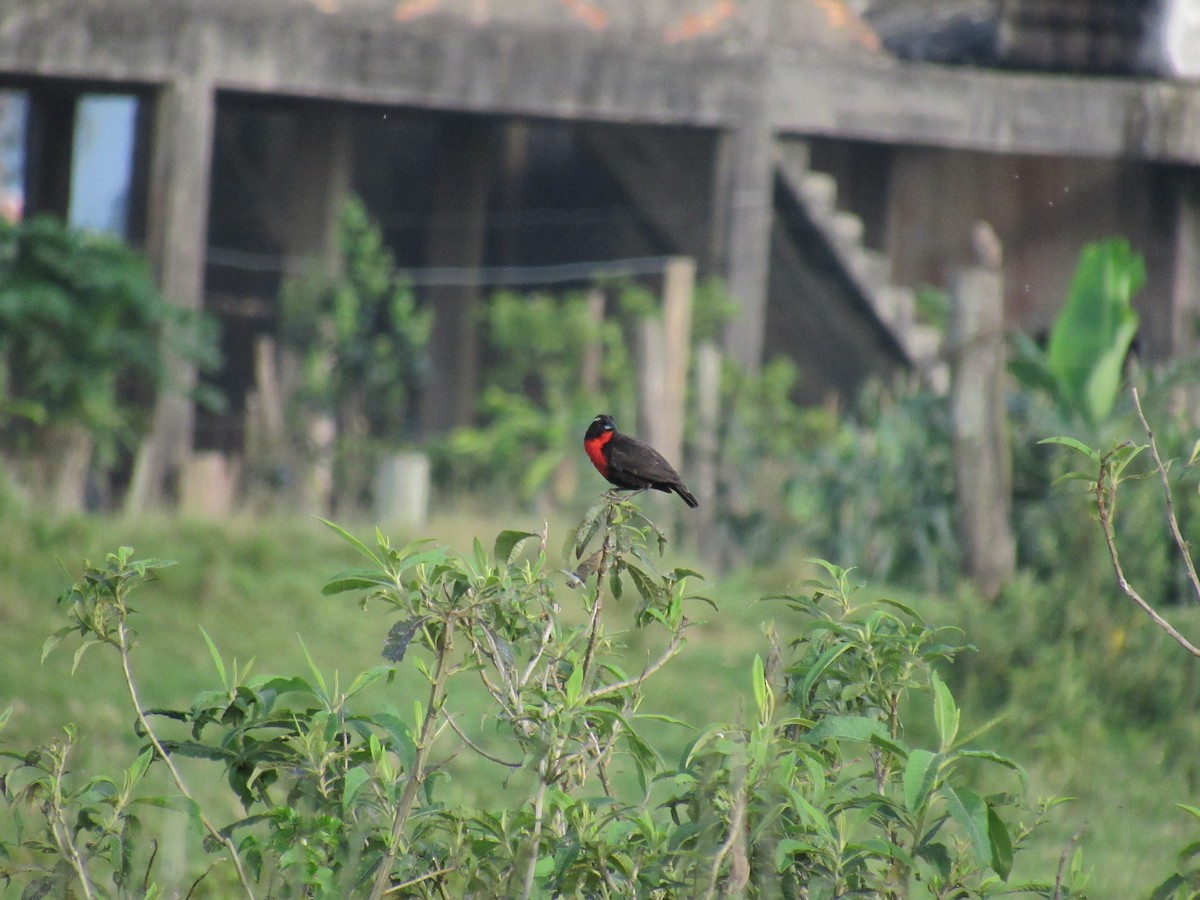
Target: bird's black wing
(631, 456)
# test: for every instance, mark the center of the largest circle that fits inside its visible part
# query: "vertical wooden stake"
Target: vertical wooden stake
(982, 458)
(678, 285)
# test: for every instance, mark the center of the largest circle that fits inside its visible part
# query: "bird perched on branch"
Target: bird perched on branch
(630, 464)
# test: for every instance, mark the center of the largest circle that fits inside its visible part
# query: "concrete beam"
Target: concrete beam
(524, 67)
(880, 99)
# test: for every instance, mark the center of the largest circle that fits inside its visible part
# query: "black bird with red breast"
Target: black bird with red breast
(629, 463)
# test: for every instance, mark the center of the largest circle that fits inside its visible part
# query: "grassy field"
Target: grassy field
(254, 586)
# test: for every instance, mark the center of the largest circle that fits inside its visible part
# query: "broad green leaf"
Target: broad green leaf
(854, 728)
(356, 580)
(1092, 334)
(1001, 841)
(817, 669)
(75, 660)
(971, 813)
(574, 685)
(945, 712)
(920, 775)
(355, 779)
(507, 543)
(588, 527)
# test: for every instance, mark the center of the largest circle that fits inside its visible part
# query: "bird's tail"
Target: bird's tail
(686, 495)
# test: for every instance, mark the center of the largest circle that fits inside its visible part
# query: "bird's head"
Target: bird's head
(600, 424)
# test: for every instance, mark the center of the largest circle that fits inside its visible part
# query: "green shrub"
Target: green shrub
(361, 342)
(83, 338)
(823, 790)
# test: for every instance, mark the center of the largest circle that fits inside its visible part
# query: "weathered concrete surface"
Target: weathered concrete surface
(694, 62)
(363, 54)
(879, 99)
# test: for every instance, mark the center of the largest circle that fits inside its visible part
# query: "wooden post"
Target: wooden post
(664, 348)
(678, 285)
(982, 458)
(706, 467)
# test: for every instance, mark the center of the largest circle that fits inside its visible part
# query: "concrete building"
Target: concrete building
(825, 164)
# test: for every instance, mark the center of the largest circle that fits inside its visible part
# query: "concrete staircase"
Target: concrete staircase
(868, 270)
(830, 305)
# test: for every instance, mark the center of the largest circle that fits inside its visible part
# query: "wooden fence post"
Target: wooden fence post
(982, 458)
(663, 355)
(707, 458)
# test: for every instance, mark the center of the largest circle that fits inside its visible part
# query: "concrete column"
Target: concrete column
(318, 179)
(456, 238)
(743, 210)
(1185, 286)
(177, 223)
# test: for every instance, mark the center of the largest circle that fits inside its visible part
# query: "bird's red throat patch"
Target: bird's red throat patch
(594, 447)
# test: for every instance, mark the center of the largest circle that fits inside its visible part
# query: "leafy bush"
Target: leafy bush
(83, 338)
(536, 398)
(823, 791)
(1084, 364)
(361, 341)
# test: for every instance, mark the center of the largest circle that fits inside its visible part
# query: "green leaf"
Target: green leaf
(507, 543)
(1001, 841)
(971, 813)
(574, 685)
(216, 658)
(1169, 888)
(992, 756)
(817, 669)
(351, 540)
(75, 660)
(588, 527)
(54, 640)
(920, 775)
(356, 778)
(137, 771)
(761, 689)
(356, 580)
(854, 728)
(1092, 334)
(1093, 455)
(945, 712)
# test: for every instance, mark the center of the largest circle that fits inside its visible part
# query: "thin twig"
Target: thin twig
(535, 839)
(1106, 510)
(417, 775)
(537, 657)
(61, 830)
(735, 842)
(1062, 860)
(131, 687)
(436, 873)
(651, 668)
(470, 743)
(1180, 543)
